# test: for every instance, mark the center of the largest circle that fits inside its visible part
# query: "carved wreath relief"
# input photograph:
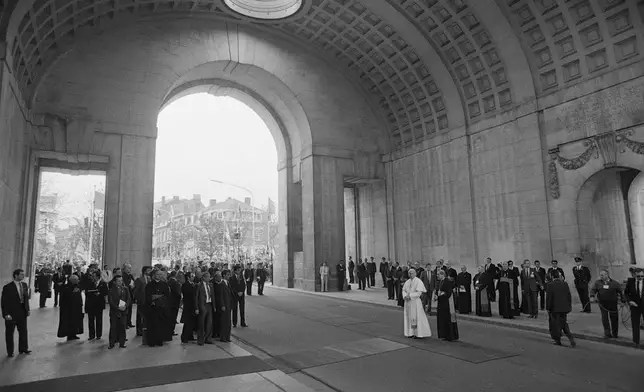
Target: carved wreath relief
(607, 145)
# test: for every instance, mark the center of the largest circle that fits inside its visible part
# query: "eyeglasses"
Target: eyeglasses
(640, 276)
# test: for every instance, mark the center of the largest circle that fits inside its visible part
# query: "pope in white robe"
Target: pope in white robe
(416, 323)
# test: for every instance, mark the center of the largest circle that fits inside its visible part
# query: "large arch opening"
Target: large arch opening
(215, 183)
(609, 214)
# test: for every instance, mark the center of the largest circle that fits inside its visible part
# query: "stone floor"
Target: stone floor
(323, 342)
(584, 325)
(82, 365)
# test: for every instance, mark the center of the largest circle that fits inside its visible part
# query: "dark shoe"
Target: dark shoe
(10, 355)
(26, 352)
(122, 346)
(557, 343)
(72, 338)
(573, 344)
(90, 338)
(234, 325)
(111, 346)
(244, 325)
(209, 342)
(98, 338)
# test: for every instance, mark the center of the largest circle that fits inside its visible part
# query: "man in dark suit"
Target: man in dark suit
(634, 293)
(43, 284)
(555, 267)
(542, 290)
(559, 304)
(237, 286)
(582, 279)
(491, 271)
(248, 278)
(341, 271)
(139, 297)
(95, 292)
(119, 300)
(223, 304)
(188, 316)
(530, 284)
(383, 271)
(15, 310)
(204, 301)
(128, 282)
(260, 276)
(58, 280)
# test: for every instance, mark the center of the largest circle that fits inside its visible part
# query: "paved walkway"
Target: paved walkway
(82, 365)
(583, 325)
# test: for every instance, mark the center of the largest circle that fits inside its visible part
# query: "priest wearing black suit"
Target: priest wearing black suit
(15, 310)
(70, 324)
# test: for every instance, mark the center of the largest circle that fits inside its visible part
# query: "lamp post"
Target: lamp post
(252, 201)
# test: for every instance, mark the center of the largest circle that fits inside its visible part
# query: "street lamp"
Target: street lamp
(252, 201)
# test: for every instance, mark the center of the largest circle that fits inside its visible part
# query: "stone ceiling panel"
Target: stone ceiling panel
(387, 66)
(568, 41)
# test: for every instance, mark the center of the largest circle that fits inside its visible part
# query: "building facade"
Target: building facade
(188, 229)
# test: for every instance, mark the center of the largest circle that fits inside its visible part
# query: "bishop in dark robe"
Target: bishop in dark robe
(464, 289)
(506, 289)
(157, 297)
(481, 281)
(445, 312)
(71, 310)
(517, 297)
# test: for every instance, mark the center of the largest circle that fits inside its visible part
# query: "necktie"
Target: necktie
(207, 292)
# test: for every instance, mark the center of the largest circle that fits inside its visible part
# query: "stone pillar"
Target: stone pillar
(636, 207)
(135, 203)
(322, 220)
(290, 228)
(350, 238)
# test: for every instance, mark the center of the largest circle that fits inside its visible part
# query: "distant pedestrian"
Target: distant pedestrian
(559, 304)
(324, 277)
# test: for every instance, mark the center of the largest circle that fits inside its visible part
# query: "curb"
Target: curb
(476, 319)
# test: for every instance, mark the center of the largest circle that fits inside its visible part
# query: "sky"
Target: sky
(203, 137)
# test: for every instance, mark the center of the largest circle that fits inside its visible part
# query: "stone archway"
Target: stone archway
(605, 220)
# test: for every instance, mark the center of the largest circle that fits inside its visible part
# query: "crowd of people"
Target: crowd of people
(517, 291)
(210, 298)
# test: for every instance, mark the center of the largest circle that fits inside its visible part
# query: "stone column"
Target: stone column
(350, 224)
(135, 204)
(322, 220)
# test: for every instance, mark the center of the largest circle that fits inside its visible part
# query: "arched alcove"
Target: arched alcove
(604, 218)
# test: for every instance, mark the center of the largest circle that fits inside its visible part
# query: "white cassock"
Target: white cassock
(416, 323)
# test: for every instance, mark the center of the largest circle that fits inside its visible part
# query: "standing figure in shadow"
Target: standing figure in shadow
(445, 310)
(70, 324)
(157, 296)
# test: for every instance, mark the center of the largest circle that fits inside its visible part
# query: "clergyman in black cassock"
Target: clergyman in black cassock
(491, 272)
(445, 312)
(43, 284)
(223, 303)
(157, 294)
(71, 310)
(464, 288)
(505, 286)
(260, 276)
(482, 300)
